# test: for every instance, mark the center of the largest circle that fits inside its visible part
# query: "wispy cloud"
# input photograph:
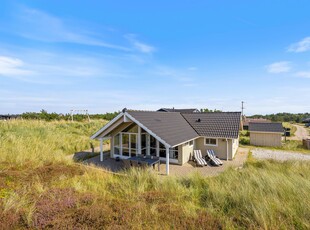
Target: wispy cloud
(279, 67)
(303, 74)
(13, 67)
(301, 46)
(141, 47)
(41, 26)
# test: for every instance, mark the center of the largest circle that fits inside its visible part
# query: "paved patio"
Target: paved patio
(175, 170)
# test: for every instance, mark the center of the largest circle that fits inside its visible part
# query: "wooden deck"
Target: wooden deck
(175, 170)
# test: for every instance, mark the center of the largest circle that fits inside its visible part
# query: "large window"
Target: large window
(117, 144)
(174, 153)
(152, 146)
(125, 143)
(211, 141)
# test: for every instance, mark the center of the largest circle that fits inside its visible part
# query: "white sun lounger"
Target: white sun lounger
(198, 157)
(213, 154)
(214, 161)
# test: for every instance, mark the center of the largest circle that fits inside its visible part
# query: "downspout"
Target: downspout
(101, 149)
(226, 149)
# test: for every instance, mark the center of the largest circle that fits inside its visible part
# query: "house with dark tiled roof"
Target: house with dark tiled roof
(171, 136)
(266, 134)
(178, 110)
(246, 121)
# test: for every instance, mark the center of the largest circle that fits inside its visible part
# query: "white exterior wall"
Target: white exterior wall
(220, 149)
(186, 152)
(235, 146)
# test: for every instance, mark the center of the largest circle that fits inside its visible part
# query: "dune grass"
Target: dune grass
(51, 192)
(34, 142)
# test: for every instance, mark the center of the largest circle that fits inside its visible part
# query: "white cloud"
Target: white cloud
(13, 67)
(303, 74)
(279, 67)
(141, 47)
(301, 46)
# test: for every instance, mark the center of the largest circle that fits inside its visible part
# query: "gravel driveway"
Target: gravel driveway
(278, 155)
(301, 133)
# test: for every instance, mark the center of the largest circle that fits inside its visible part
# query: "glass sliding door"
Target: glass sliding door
(143, 144)
(162, 150)
(117, 144)
(125, 144)
(133, 144)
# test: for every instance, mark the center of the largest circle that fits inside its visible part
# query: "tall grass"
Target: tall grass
(36, 142)
(263, 194)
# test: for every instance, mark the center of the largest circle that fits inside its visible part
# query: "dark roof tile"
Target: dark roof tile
(273, 127)
(171, 127)
(220, 124)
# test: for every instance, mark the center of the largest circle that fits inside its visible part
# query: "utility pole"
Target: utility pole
(242, 115)
(242, 108)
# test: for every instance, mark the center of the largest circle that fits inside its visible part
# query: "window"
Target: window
(125, 144)
(174, 153)
(162, 150)
(191, 143)
(117, 144)
(211, 141)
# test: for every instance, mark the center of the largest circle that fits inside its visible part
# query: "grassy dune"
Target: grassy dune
(41, 188)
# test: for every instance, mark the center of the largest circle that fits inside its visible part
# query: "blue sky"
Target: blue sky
(107, 55)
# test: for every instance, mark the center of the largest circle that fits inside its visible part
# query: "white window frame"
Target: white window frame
(205, 143)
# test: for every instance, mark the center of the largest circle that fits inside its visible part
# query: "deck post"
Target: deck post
(139, 140)
(101, 149)
(167, 160)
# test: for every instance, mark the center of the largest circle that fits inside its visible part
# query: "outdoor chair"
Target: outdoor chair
(135, 164)
(214, 155)
(213, 160)
(200, 156)
(127, 164)
(144, 165)
(198, 159)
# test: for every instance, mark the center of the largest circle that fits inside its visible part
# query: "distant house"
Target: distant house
(266, 134)
(307, 120)
(246, 121)
(178, 110)
(8, 117)
(171, 136)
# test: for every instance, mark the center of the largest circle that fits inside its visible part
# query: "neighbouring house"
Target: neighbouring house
(171, 136)
(266, 134)
(9, 117)
(178, 110)
(246, 121)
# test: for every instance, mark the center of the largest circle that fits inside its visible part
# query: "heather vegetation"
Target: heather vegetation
(40, 187)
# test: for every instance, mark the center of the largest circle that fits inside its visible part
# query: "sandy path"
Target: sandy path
(301, 133)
